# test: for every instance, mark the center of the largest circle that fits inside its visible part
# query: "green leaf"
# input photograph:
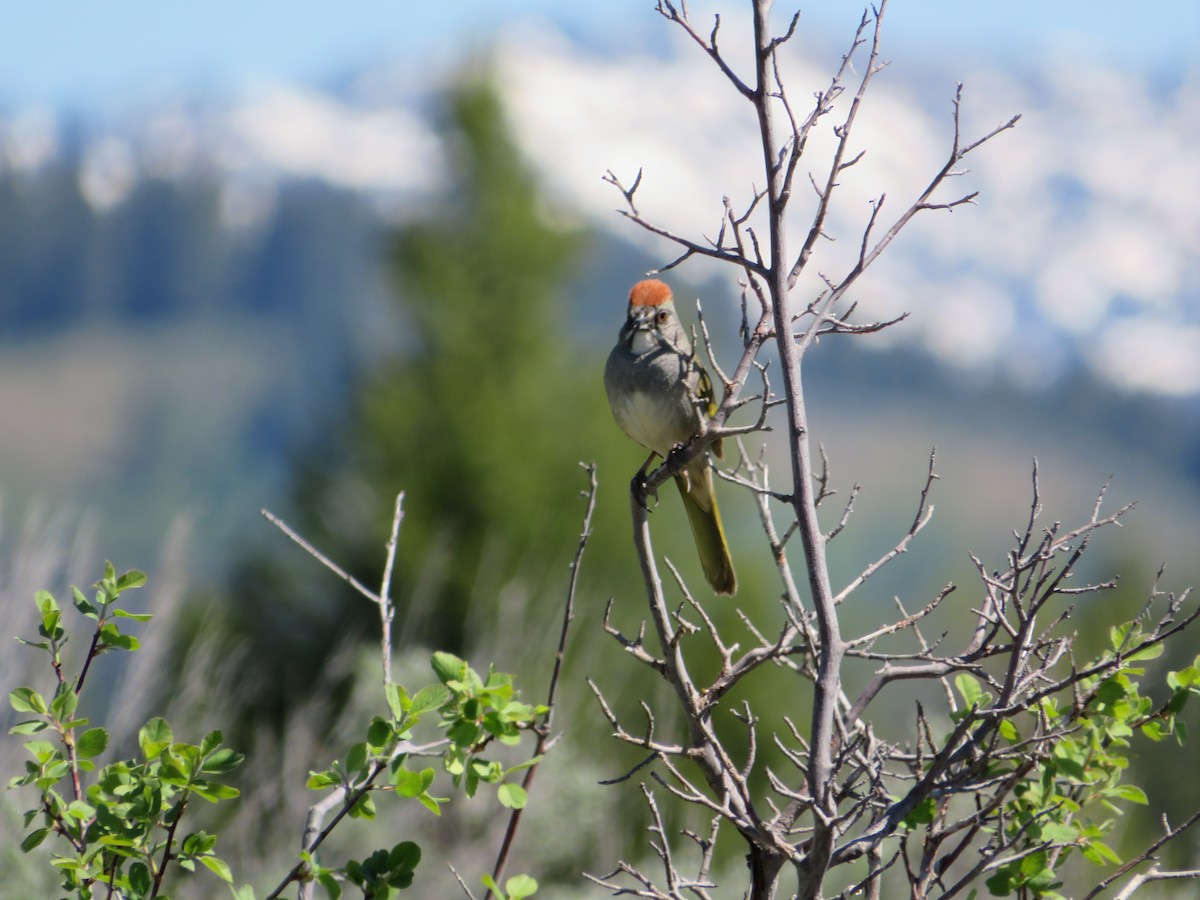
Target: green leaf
(24, 699)
(51, 626)
(1118, 634)
(42, 750)
(364, 808)
(1112, 690)
(222, 761)
(155, 736)
(1154, 651)
(34, 838)
(326, 880)
(356, 758)
(131, 579)
(1099, 853)
(65, 702)
(83, 604)
(64, 705)
(111, 636)
(1118, 730)
(448, 667)
(211, 742)
(1071, 758)
(137, 617)
(1179, 699)
(463, 734)
(921, 814)
(199, 842)
(520, 886)
(80, 811)
(430, 697)
(1184, 678)
(1130, 792)
(411, 784)
(512, 796)
(397, 699)
(246, 892)
(140, 880)
(318, 780)
(214, 792)
(218, 867)
(968, 687)
(1059, 833)
(404, 857)
(532, 761)
(1153, 730)
(91, 743)
(379, 733)
(1009, 731)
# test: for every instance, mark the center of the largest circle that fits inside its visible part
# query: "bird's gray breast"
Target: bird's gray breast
(649, 398)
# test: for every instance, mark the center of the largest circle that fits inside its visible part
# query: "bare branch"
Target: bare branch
(924, 514)
(626, 192)
(680, 17)
(544, 729)
(319, 556)
(387, 609)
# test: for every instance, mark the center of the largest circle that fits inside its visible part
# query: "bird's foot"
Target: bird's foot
(641, 491)
(675, 464)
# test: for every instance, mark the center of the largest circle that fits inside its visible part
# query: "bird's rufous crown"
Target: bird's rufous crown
(650, 292)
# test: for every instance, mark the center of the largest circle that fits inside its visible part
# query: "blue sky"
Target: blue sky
(1107, 268)
(78, 54)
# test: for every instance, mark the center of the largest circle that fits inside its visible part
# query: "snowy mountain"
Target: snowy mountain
(1080, 251)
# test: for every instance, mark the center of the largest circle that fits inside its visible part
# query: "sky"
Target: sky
(81, 54)
(1081, 248)
(1083, 244)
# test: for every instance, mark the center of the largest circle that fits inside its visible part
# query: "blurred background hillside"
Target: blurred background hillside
(300, 258)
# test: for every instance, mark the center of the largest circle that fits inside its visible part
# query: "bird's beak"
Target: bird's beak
(641, 317)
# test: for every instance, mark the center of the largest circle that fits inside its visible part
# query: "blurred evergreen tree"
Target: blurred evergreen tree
(481, 416)
(468, 421)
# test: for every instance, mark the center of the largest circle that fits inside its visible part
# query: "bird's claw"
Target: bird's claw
(676, 466)
(673, 457)
(640, 492)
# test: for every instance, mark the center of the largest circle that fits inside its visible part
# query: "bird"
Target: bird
(662, 397)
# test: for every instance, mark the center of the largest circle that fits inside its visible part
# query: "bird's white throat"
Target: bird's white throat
(643, 341)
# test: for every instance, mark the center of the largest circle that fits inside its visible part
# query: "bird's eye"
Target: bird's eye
(662, 317)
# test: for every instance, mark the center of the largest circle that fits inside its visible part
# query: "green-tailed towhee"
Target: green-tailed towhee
(661, 397)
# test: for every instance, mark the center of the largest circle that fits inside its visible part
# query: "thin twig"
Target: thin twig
(319, 556)
(543, 731)
(387, 609)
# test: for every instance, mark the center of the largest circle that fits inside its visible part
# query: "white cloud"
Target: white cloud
(970, 325)
(1087, 209)
(304, 133)
(30, 139)
(1149, 355)
(108, 172)
(170, 144)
